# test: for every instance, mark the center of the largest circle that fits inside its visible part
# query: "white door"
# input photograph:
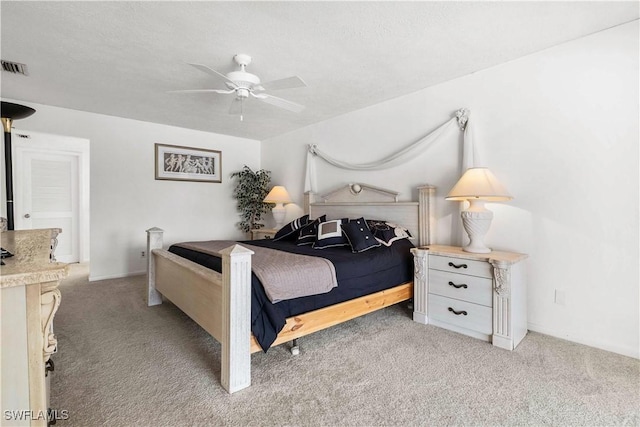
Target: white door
(48, 186)
(51, 189)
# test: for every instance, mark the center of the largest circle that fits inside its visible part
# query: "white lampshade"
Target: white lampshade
(478, 185)
(278, 195)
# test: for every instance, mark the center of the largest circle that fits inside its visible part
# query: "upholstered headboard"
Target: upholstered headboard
(362, 200)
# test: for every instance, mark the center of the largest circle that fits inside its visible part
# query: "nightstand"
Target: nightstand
(480, 295)
(263, 233)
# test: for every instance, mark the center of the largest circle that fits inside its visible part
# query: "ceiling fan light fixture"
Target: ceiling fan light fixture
(241, 108)
(242, 93)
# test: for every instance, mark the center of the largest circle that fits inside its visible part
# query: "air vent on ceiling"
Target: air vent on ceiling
(14, 67)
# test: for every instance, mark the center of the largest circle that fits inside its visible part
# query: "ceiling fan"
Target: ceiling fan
(244, 85)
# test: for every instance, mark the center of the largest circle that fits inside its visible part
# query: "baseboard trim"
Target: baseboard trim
(568, 336)
(115, 276)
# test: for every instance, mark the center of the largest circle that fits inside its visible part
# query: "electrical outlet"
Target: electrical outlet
(143, 254)
(559, 297)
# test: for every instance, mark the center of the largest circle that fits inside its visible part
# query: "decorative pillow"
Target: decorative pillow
(288, 232)
(387, 232)
(359, 236)
(309, 232)
(330, 234)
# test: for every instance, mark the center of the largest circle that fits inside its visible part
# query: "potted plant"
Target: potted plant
(250, 191)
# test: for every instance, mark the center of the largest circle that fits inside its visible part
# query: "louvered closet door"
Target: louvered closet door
(49, 199)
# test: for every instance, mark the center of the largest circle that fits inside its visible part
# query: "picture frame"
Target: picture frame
(178, 163)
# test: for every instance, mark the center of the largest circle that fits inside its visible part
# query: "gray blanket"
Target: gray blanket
(283, 275)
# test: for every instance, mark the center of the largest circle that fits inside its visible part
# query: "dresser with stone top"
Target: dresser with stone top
(28, 302)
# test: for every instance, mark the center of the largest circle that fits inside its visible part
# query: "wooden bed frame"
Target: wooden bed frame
(221, 302)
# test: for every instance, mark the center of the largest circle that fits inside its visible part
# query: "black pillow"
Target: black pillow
(309, 232)
(387, 232)
(288, 232)
(330, 234)
(359, 236)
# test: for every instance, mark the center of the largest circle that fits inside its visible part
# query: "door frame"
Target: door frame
(25, 140)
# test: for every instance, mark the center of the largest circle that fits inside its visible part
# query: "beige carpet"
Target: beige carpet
(121, 363)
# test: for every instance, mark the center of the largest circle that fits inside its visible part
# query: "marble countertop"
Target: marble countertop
(30, 263)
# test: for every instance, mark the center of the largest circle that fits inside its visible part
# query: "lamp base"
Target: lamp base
(279, 212)
(476, 224)
(477, 250)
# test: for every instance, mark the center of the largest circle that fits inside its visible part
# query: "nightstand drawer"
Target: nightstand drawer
(473, 289)
(461, 266)
(469, 316)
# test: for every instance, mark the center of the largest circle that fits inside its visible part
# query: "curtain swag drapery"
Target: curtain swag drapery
(461, 120)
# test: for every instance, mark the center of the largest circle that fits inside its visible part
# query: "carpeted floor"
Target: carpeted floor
(121, 363)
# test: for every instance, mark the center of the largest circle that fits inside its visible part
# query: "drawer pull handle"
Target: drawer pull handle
(457, 266)
(458, 286)
(457, 313)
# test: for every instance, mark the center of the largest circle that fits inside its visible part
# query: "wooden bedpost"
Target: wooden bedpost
(236, 318)
(426, 194)
(309, 197)
(154, 241)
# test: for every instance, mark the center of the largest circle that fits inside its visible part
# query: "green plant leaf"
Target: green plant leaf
(250, 191)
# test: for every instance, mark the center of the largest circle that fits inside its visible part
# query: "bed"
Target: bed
(221, 302)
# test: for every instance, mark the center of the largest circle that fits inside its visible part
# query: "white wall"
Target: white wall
(125, 197)
(560, 129)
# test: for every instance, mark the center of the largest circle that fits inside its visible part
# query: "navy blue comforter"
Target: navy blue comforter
(358, 274)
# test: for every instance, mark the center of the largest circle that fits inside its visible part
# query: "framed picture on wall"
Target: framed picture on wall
(188, 164)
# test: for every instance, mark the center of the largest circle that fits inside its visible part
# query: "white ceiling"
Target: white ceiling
(121, 58)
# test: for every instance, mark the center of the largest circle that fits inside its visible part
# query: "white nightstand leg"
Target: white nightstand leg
(502, 316)
(420, 284)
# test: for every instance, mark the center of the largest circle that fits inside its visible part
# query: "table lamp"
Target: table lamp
(279, 196)
(477, 185)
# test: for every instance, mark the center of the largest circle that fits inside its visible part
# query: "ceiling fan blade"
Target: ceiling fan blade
(213, 73)
(202, 91)
(279, 102)
(286, 83)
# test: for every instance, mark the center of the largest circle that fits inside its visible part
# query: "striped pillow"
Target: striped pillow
(288, 232)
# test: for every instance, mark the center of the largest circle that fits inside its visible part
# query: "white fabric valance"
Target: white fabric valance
(460, 121)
